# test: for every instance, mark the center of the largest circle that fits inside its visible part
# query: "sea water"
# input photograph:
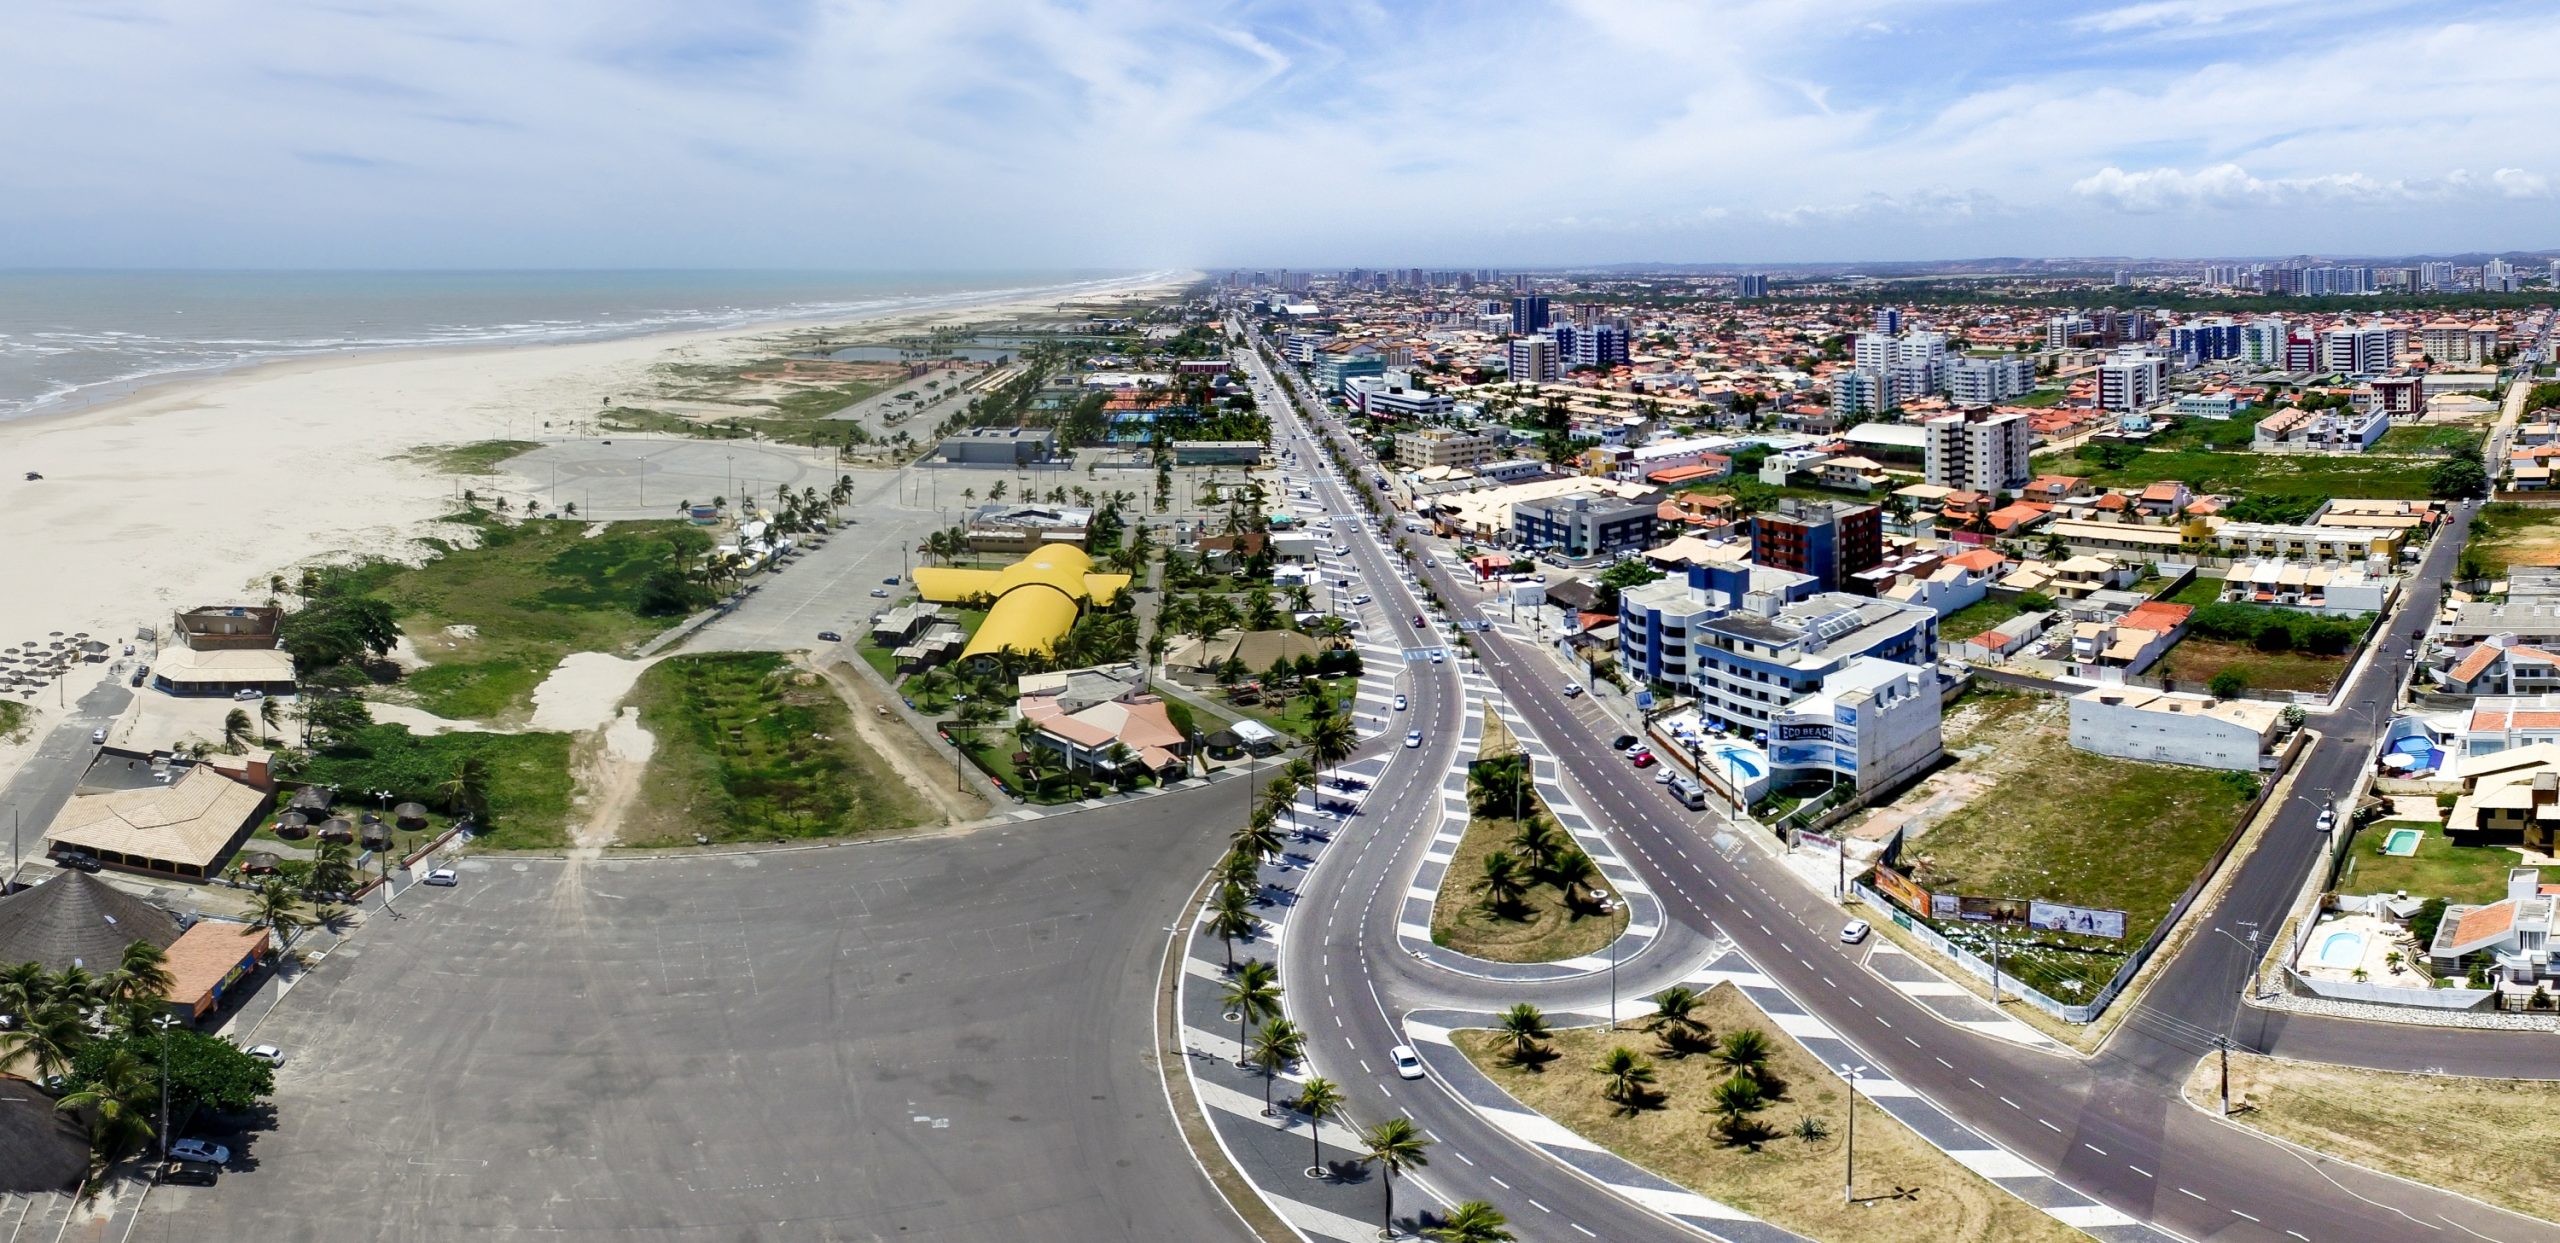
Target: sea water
(73, 338)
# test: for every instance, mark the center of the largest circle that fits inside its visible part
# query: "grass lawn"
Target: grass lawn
(2440, 869)
(479, 457)
(2041, 397)
(2300, 475)
(1977, 617)
(528, 776)
(2507, 534)
(1548, 931)
(2069, 826)
(529, 593)
(2201, 590)
(2195, 660)
(751, 748)
(2455, 1133)
(1293, 715)
(2440, 438)
(1788, 1181)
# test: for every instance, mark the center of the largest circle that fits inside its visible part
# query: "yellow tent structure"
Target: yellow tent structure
(1037, 598)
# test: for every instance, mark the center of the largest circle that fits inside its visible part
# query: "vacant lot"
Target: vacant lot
(750, 747)
(2507, 534)
(2440, 869)
(2454, 1133)
(2195, 660)
(2064, 825)
(502, 602)
(526, 778)
(2438, 438)
(1977, 617)
(479, 457)
(2300, 476)
(1791, 1182)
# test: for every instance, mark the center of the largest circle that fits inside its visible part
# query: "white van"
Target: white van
(1688, 792)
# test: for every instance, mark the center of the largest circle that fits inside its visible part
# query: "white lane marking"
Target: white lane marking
(2237, 1213)
(2049, 1126)
(2096, 1149)
(2184, 1192)
(1540, 1207)
(2139, 1170)
(1498, 1182)
(2010, 1103)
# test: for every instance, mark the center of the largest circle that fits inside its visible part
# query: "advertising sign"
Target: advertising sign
(2085, 920)
(1791, 731)
(1896, 886)
(1943, 906)
(1818, 841)
(1991, 910)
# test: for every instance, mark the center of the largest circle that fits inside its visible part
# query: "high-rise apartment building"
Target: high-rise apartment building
(1752, 285)
(2132, 379)
(1528, 314)
(1872, 351)
(2496, 276)
(1888, 320)
(1829, 540)
(1533, 359)
(1977, 450)
(1600, 345)
(2435, 275)
(2204, 341)
(2358, 349)
(2263, 341)
(2061, 332)
(1989, 381)
(1858, 391)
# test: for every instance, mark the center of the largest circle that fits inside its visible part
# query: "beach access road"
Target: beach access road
(44, 782)
(936, 1038)
(829, 588)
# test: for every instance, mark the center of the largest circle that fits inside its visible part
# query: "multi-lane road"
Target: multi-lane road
(2113, 1126)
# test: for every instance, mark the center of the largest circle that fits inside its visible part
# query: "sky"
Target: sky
(974, 134)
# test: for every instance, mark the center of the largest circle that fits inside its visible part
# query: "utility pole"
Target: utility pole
(1849, 1171)
(2222, 1045)
(1995, 962)
(164, 1023)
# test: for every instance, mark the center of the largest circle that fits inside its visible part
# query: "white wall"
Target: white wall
(2162, 737)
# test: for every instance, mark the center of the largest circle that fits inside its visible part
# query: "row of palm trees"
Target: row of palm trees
(1750, 1085)
(1540, 853)
(58, 1014)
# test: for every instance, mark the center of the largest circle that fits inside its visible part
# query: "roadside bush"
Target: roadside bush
(2278, 630)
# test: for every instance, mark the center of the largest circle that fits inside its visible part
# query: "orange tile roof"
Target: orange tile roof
(2165, 490)
(2158, 615)
(2486, 924)
(2476, 663)
(1980, 560)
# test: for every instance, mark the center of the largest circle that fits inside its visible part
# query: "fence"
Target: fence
(2394, 995)
(2006, 984)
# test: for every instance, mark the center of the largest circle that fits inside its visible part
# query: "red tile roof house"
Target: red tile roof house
(2495, 668)
(1090, 739)
(2514, 931)
(2165, 498)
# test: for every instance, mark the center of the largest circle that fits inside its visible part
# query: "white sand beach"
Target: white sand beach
(195, 491)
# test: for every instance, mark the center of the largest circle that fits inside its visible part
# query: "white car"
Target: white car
(1437, 658)
(1362, 599)
(1408, 1063)
(443, 876)
(2328, 819)
(1853, 932)
(267, 1053)
(199, 1150)
(1572, 689)
(1399, 703)
(98, 735)
(1413, 738)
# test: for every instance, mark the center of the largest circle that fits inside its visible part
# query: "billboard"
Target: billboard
(2085, 920)
(1818, 841)
(1793, 731)
(1894, 885)
(1991, 910)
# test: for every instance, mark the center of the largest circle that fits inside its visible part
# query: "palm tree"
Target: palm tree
(466, 789)
(1253, 993)
(1627, 1073)
(235, 730)
(1318, 1099)
(1736, 1099)
(47, 1037)
(271, 714)
(1472, 1222)
(1746, 1052)
(1279, 1043)
(1524, 1025)
(331, 867)
(1395, 1146)
(1331, 739)
(24, 988)
(278, 909)
(141, 978)
(1260, 836)
(1505, 882)
(1674, 1018)
(1572, 871)
(118, 1100)
(1538, 840)
(1239, 868)
(1229, 918)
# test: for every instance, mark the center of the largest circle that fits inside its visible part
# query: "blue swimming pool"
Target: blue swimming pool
(2402, 842)
(1742, 760)
(2342, 950)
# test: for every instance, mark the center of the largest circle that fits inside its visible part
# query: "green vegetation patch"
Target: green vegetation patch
(528, 593)
(523, 779)
(2298, 476)
(2439, 439)
(2505, 534)
(751, 748)
(479, 457)
(2440, 869)
(13, 721)
(1979, 616)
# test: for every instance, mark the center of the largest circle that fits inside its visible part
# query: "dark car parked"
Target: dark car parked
(1622, 742)
(190, 1173)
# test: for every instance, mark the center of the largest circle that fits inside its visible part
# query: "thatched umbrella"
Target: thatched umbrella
(311, 801)
(257, 861)
(293, 826)
(337, 829)
(410, 816)
(377, 836)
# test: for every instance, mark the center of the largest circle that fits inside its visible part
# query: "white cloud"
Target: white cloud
(2229, 187)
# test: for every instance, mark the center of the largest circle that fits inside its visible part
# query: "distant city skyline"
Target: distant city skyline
(956, 134)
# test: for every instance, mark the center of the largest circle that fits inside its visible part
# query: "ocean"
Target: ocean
(74, 338)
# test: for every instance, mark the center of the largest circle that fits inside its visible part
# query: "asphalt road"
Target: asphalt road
(46, 780)
(2113, 1127)
(935, 1039)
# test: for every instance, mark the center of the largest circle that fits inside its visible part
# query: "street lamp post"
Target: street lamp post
(1849, 1171)
(164, 1023)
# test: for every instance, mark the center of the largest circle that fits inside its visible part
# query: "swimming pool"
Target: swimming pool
(2341, 949)
(1740, 759)
(2402, 842)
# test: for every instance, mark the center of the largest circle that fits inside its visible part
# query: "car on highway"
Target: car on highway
(1417, 619)
(1413, 738)
(1361, 599)
(829, 636)
(1437, 657)
(199, 1150)
(445, 877)
(1666, 776)
(1572, 689)
(267, 1053)
(1630, 746)
(1854, 931)
(1399, 703)
(1408, 1063)
(2411, 654)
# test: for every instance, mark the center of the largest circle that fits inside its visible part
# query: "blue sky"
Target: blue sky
(1089, 133)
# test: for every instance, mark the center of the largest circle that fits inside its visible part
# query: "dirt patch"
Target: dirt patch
(908, 754)
(610, 767)
(582, 692)
(2470, 1136)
